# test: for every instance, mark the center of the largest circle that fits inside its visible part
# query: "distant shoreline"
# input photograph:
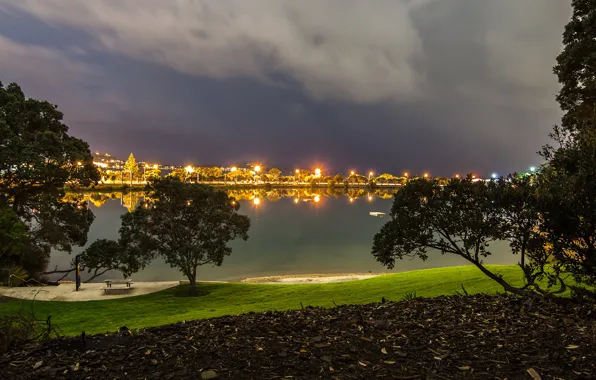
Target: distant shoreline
(140, 186)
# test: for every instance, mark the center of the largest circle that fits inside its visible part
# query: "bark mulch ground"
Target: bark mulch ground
(482, 337)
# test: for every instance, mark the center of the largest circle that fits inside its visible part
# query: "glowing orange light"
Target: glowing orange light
(317, 199)
(296, 200)
(317, 171)
(406, 174)
(256, 201)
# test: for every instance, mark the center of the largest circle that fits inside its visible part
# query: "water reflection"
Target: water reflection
(130, 199)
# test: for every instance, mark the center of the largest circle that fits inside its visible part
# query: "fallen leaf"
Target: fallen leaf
(389, 362)
(259, 348)
(384, 350)
(331, 369)
(76, 367)
(148, 352)
(362, 364)
(464, 368)
(38, 364)
(572, 347)
(154, 361)
(534, 374)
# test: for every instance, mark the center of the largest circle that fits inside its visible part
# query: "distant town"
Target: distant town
(114, 170)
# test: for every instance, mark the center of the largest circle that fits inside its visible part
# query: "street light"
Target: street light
(317, 199)
(79, 163)
(457, 176)
(257, 169)
(189, 169)
(317, 172)
(352, 172)
(425, 175)
(406, 174)
(370, 174)
(256, 201)
(532, 169)
(494, 175)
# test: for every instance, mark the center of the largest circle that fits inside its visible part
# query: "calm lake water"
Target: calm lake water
(290, 233)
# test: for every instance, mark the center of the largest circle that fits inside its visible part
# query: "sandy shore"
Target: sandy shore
(87, 292)
(95, 291)
(311, 278)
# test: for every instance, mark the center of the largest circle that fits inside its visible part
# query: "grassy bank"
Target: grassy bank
(173, 305)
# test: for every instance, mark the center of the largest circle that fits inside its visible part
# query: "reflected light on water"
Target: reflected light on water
(256, 201)
(317, 198)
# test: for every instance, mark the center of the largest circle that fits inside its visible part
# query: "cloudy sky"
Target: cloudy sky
(388, 85)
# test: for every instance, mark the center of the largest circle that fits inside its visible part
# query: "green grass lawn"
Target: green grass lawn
(217, 299)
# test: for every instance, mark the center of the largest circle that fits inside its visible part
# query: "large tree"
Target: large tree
(568, 180)
(459, 219)
(188, 225)
(38, 160)
(576, 68)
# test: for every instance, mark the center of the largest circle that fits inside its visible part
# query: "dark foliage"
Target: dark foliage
(37, 160)
(188, 225)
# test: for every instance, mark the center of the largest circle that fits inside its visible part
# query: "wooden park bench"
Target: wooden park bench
(128, 282)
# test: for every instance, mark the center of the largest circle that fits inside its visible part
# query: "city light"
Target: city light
(297, 171)
(317, 172)
(532, 169)
(352, 172)
(317, 199)
(256, 201)
(425, 175)
(494, 175)
(351, 200)
(457, 176)
(473, 177)
(406, 174)
(79, 163)
(189, 169)
(233, 203)
(296, 200)
(370, 198)
(257, 168)
(233, 169)
(155, 166)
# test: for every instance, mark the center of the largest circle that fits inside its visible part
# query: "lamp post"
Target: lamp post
(257, 170)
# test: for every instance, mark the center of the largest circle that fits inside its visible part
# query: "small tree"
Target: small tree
(274, 174)
(188, 225)
(131, 167)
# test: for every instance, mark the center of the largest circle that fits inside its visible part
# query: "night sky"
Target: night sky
(385, 85)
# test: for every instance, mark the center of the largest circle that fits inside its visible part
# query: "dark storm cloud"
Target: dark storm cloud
(441, 85)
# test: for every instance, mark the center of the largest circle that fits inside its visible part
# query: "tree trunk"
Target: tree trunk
(192, 286)
(508, 287)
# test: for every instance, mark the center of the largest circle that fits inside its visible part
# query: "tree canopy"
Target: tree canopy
(38, 160)
(188, 225)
